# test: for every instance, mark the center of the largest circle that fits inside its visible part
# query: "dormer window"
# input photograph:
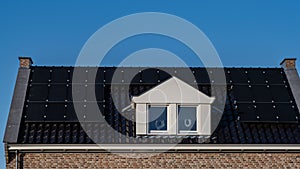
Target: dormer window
(187, 119)
(157, 119)
(173, 108)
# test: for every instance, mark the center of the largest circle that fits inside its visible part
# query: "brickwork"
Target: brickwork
(165, 160)
(25, 62)
(289, 63)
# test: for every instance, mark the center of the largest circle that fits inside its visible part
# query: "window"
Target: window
(187, 119)
(157, 118)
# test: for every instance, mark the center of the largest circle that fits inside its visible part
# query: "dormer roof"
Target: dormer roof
(173, 90)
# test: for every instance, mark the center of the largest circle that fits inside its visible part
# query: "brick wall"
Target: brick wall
(173, 160)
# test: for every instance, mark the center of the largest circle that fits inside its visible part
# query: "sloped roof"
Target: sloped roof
(260, 107)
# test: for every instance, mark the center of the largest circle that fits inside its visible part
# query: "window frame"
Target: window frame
(187, 132)
(157, 132)
(173, 119)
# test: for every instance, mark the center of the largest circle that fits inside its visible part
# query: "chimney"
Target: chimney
(288, 63)
(25, 62)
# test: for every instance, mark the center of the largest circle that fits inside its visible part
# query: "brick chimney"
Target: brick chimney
(25, 62)
(288, 63)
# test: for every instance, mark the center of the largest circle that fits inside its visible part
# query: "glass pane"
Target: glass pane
(187, 119)
(157, 118)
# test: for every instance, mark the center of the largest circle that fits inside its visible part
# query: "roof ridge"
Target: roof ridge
(66, 66)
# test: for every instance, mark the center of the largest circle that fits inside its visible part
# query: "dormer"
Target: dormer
(173, 108)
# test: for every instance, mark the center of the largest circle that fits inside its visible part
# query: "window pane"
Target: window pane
(157, 118)
(187, 119)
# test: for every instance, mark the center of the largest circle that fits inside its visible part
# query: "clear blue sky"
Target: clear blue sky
(245, 33)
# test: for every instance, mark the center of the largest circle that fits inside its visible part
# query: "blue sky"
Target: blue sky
(245, 33)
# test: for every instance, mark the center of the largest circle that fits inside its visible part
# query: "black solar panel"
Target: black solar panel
(286, 112)
(57, 92)
(79, 110)
(108, 74)
(243, 93)
(185, 74)
(256, 76)
(35, 112)
(95, 75)
(77, 92)
(267, 112)
(238, 76)
(280, 93)
(201, 76)
(92, 113)
(55, 112)
(275, 76)
(70, 113)
(118, 76)
(132, 75)
(81, 74)
(261, 93)
(40, 74)
(95, 92)
(150, 76)
(99, 78)
(206, 89)
(59, 75)
(218, 76)
(247, 112)
(163, 75)
(38, 92)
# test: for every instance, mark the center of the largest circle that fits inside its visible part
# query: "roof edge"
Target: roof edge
(111, 66)
(294, 82)
(155, 147)
(16, 107)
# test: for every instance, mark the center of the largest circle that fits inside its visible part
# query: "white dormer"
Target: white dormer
(173, 108)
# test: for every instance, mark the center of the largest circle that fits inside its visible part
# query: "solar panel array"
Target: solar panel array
(260, 95)
(263, 95)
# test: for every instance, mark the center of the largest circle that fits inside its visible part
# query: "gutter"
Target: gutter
(17, 159)
(126, 148)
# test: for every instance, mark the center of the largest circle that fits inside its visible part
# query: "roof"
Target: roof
(174, 91)
(260, 107)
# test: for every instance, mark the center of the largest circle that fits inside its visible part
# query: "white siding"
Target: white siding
(205, 119)
(141, 119)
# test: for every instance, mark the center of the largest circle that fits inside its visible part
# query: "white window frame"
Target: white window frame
(158, 132)
(187, 132)
(203, 113)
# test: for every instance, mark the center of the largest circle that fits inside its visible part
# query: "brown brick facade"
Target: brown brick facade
(164, 160)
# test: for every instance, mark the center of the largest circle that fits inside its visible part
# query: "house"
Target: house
(132, 117)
